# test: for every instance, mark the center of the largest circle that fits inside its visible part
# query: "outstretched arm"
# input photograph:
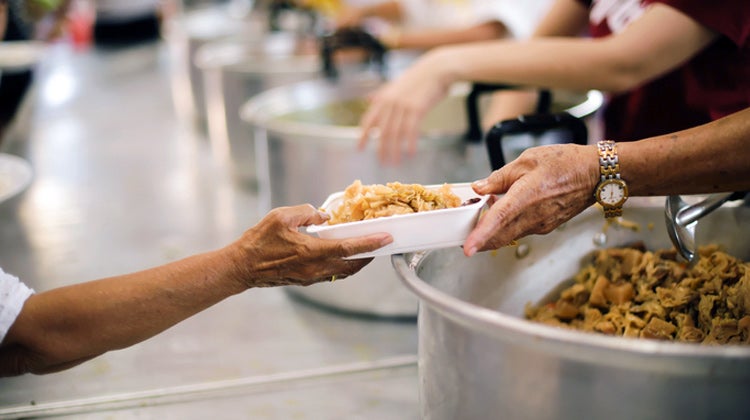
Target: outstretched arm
(659, 41)
(63, 327)
(558, 181)
(353, 16)
(563, 19)
(426, 39)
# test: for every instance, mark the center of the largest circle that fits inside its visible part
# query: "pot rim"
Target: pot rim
(252, 57)
(629, 353)
(259, 112)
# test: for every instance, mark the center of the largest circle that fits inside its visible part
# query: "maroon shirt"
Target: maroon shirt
(712, 84)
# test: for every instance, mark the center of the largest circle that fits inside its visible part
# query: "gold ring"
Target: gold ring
(333, 278)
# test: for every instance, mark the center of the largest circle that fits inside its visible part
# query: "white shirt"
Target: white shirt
(13, 295)
(519, 16)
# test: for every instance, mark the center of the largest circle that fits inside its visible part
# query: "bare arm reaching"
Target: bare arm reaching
(659, 41)
(63, 327)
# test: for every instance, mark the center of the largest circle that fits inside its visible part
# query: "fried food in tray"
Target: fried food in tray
(363, 202)
(633, 292)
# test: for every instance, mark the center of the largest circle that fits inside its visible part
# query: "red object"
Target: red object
(80, 22)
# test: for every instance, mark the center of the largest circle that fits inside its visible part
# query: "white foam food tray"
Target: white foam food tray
(413, 232)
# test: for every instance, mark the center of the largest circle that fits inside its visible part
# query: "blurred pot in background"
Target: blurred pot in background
(236, 21)
(235, 70)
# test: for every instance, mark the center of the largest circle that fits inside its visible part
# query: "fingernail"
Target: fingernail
(472, 251)
(324, 215)
(481, 183)
(385, 240)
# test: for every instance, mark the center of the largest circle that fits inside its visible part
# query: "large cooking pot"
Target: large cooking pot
(479, 358)
(186, 33)
(235, 70)
(306, 136)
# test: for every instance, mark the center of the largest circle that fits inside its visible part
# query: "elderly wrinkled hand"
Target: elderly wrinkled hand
(274, 252)
(397, 109)
(543, 188)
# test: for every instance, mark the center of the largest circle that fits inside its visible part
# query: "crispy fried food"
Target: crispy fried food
(633, 292)
(362, 202)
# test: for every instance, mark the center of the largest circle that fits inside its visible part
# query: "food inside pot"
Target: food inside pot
(362, 202)
(633, 292)
(349, 112)
(343, 113)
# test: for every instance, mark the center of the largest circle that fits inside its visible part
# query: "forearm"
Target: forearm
(66, 326)
(427, 39)
(707, 159)
(388, 10)
(564, 18)
(564, 63)
(509, 104)
(661, 40)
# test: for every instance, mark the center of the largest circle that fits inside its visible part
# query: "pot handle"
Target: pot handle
(682, 218)
(533, 130)
(351, 38)
(277, 7)
(474, 132)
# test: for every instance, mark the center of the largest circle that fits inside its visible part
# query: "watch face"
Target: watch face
(612, 193)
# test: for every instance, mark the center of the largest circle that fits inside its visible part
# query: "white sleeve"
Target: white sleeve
(520, 16)
(439, 14)
(13, 294)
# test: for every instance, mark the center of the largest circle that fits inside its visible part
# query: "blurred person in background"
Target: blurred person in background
(60, 328)
(424, 24)
(25, 20)
(666, 64)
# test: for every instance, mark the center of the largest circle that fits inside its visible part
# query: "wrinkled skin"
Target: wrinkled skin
(548, 185)
(275, 253)
(543, 188)
(63, 327)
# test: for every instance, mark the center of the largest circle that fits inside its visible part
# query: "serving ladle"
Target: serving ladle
(682, 218)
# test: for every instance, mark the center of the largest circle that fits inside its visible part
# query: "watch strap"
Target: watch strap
(609, 169)
(609, 162)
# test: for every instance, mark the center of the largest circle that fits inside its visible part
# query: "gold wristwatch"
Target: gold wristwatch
(612, 190)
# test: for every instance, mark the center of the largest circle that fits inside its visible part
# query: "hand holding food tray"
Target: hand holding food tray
(418, 217)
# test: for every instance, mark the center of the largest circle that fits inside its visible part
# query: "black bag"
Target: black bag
(507, 139)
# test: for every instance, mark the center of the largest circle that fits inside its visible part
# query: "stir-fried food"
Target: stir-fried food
(362, 202)
(632, 292)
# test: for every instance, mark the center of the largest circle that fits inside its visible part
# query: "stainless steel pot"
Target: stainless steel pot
(236, 70)
(185, 34)
(306, 136)
(479, 359)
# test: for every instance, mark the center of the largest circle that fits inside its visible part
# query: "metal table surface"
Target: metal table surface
(120, 185)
